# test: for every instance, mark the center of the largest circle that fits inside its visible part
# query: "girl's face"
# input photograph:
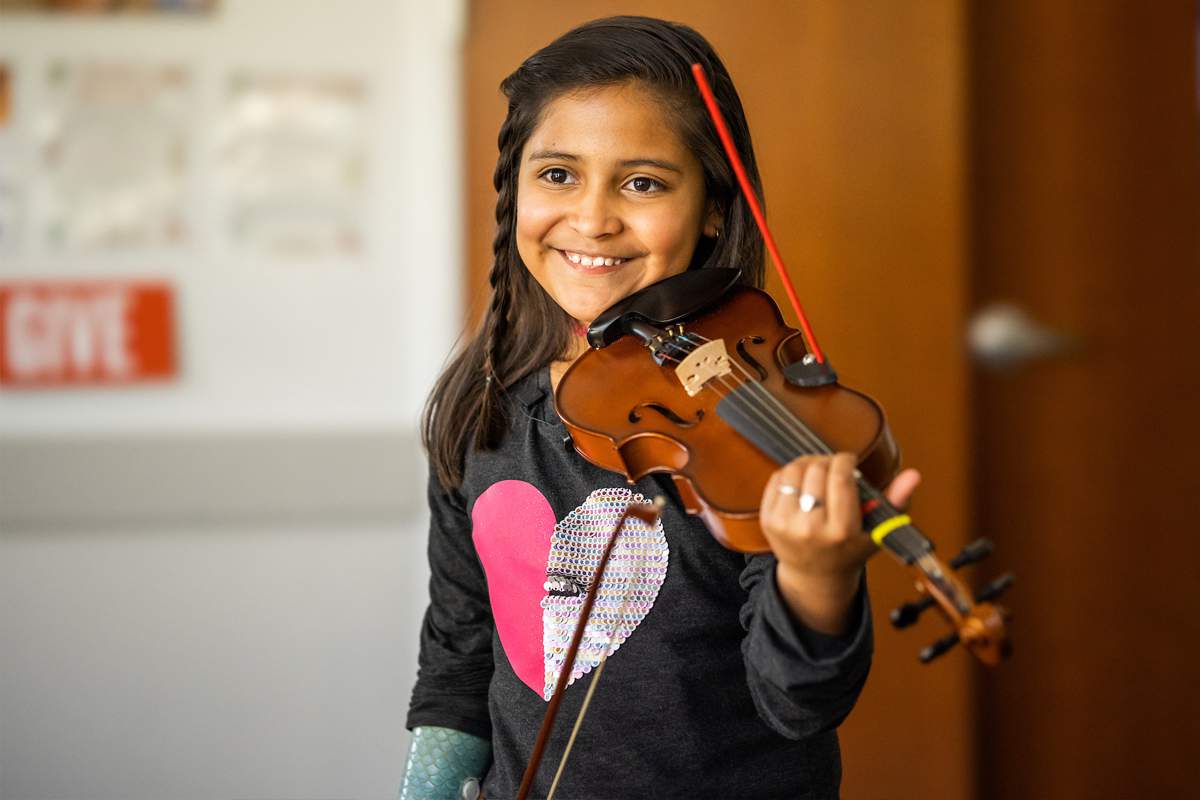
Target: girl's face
(609, 199)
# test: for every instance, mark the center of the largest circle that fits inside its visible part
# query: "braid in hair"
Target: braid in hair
(495, 328)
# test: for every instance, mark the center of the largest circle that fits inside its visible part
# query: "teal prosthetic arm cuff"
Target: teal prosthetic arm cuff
(440, 761)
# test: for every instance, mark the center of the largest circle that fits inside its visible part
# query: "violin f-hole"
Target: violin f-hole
(634, 416)
(749, 359)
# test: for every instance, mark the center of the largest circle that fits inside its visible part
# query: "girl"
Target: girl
(732, 672)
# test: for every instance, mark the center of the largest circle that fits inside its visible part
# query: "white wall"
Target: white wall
(217, 656)
(275, 343)
(190, 664)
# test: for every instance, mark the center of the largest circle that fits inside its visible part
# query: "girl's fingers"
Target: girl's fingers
(900, 491)
(844, 514)
(783, 492)
(816, 484)
(770, 500)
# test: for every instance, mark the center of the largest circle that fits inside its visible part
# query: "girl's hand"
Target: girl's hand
(822, 550)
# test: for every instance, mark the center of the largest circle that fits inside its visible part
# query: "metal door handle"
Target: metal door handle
(1005, 336)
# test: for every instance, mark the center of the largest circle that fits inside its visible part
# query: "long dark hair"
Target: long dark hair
(524, 329)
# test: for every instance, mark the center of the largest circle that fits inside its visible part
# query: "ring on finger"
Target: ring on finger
(809, 502)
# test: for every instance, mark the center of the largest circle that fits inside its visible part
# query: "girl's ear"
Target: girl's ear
(713, 220)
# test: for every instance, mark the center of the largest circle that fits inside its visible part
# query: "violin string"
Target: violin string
(764, 412)
(779, 422)
(809, 436)
(902, 543)
(802, 432)
(805, 440)
(800, 437)
(906, 541)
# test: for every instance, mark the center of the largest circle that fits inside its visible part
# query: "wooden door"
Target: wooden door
(1088, 203)
(858, 114)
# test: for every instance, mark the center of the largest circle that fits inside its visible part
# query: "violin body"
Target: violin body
(643, 421)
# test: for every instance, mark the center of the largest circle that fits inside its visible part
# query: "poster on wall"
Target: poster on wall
(69, 333)
(109, 6)
(114, 144)
(292, 165)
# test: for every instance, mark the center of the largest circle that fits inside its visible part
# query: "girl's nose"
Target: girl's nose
(594, 215)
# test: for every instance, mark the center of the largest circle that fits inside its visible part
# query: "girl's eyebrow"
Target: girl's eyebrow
(558, 155)
(553, 155)
(651, 162)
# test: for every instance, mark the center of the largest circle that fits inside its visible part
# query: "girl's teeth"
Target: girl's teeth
(589, 261)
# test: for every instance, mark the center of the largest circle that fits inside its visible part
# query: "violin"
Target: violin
(699, 377)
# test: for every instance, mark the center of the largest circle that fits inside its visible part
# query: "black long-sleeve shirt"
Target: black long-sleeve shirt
(711, 689)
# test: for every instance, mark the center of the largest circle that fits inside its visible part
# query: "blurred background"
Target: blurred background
(238, 238)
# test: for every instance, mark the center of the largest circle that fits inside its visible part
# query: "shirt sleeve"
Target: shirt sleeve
(455, 664)
(803, 682)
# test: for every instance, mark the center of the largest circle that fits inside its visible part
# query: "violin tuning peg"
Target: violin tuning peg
(996, 588)
(937, 648)
(976, 551)
(905, 615)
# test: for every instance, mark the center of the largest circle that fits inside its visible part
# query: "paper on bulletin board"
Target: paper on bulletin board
(115, 141)
(293, 160)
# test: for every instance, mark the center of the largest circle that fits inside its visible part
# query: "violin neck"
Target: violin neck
(892, 530)
(890, 527)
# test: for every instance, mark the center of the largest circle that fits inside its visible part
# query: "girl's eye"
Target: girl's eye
(644, 185)
(557, 175)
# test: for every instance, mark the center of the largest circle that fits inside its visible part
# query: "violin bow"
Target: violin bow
(979, 625)
(648, 514)
(739, 169)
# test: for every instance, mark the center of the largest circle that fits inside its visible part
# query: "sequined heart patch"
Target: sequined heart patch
(538, 571)
(627, 592)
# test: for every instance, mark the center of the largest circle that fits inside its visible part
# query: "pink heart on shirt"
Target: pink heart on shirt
(523, 550)
(511, 525)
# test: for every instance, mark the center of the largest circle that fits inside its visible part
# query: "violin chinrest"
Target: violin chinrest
(663, 303)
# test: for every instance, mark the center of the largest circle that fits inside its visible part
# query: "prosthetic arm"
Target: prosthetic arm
(445, 764)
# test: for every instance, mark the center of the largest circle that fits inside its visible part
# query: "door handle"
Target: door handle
(1004, 336)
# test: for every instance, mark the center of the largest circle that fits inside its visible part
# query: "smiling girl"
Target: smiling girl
(728, 673)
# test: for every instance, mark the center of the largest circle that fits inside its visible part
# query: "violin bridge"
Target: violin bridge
(706, 362)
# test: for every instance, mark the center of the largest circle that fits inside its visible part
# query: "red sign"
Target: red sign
(83, 333)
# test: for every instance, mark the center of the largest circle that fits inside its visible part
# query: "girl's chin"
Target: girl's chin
(582, 317)
(588, 311)
(588, 302)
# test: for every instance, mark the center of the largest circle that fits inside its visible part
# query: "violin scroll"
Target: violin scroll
(978, 624)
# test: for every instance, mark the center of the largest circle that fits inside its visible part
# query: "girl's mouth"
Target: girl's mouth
(592, 264)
